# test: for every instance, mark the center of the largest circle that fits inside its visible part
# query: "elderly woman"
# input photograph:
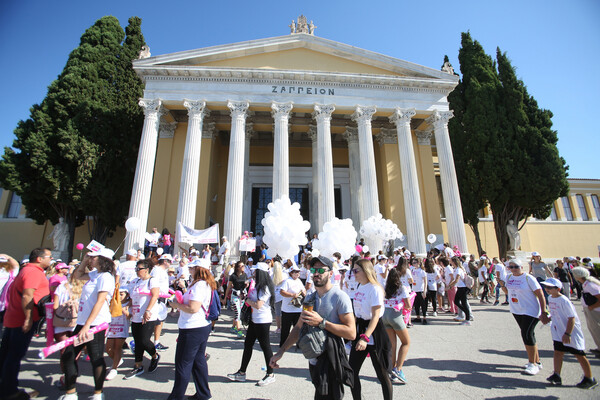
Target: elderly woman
(194, 329)
(528, 305)
(98, 270)
(590, 303)
(539, 269)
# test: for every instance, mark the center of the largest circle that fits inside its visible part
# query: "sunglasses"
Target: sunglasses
(140, 269)
(321, 271)
(513, 267)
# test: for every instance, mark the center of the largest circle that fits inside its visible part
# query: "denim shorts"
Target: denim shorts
(393, 319)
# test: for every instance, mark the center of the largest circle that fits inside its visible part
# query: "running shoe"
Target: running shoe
(399, 374)
(207, 356)
(240, 334)
(154, 363)
(267, 380)
(112, 374)
(233, 329)
(395, 379)
(555, 379)
(134, 372)
(505, 303)
(496, 302)
(539, 365)
(97, 396)
(435, 313)
(160, 347)
(68, 396)
(237, 377)
(587, 383)
(532, 369)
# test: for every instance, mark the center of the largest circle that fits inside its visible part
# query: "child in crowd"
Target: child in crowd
(118, 331)
(566, 334)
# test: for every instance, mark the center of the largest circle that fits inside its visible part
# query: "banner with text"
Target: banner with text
(188, 235)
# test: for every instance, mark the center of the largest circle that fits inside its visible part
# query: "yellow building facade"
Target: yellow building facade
(343, 131)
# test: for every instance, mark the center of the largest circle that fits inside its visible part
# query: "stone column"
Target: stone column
(368, 175)
(314, 210)
(326, 199)
(144, 171)
(351, 136)
(247, 214)
(415, 231)
(234, 194)
(281, 150)
(188, 189)
(452, 205)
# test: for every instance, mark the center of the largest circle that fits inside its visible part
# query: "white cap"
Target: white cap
(250, 259)
(166, 257)
(294, 268)
(105, 252)
(535, 254)
(381, 257)
(131, 252)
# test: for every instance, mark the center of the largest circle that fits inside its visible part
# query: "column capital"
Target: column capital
(312, 132)
(387, 136)
(238, 108)
(351, 134)
(150, 106)
(363, 113)
(196, 108)
(208, 130)
(424, 136)
(166, 130)
(280, 110)
(439, 118)
(249, 130)
(323, 112)
(402, 115)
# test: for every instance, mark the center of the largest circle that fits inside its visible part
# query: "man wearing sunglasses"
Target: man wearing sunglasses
(332, 311)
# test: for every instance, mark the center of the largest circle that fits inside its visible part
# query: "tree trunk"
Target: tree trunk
(475, 229)
(97, 230)
(501, 218)
(70, 221)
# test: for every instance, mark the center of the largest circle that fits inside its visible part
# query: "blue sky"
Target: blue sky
(555, 45)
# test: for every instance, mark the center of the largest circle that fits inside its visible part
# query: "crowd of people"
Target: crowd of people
(338, 312)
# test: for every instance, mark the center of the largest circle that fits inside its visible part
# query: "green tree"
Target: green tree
(504, 146)
(64, 154)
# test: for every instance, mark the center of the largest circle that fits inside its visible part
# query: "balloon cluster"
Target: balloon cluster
(338, 236)
(284, 228)
(375, 227)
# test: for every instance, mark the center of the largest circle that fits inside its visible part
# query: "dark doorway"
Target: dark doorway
(262, 196)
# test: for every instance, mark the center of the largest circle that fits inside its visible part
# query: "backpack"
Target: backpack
(214, 308)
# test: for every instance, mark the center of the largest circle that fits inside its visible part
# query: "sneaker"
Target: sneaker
(587, 383)
(112, 374)
(435, 313)
(207, 356)
(394, 379)
(240, 334)
(68, 396)
(97, 396)
(237, 377)
(160, 347)
(505, 303)
(409, 325)
(154, 363)
(134, 372)
(424, 322)
(399, 375)
(267, 380)
(539, 365)
(532, 369)
(496, 302)
(120, 363)
(554, 379)
(233, 330)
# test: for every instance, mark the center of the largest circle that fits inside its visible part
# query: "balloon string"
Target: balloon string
(123, 241)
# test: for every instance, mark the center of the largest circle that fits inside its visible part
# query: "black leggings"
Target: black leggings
(356, 361)
(527, 324)
(431, 297)
(486, 289)
(142, 334)
(95, 349)
(420, 305)
(288, 320)
(461, 301)
(260, 332)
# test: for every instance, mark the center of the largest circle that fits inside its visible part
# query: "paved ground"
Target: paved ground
(445, 361)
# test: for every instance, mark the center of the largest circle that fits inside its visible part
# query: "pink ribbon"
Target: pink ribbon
(45, 352)
(49, 323)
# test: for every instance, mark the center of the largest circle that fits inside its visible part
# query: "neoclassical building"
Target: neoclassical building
(344, 131)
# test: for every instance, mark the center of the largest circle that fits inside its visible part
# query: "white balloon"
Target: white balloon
(160, 251)
(431, 238)
(132, 224)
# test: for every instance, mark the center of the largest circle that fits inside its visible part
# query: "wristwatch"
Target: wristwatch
(322, 324)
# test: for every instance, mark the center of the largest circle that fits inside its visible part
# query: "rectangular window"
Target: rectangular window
(14, 206)
(567, 207)
(553, 215)
(582, 209)
(596, 204)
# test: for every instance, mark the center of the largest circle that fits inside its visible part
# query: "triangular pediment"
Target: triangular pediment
(296, 52)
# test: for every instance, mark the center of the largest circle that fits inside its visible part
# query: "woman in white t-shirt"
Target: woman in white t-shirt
(482, 277)
(590, 303)
(194, 329)
(448, 278)
(118, 330)
(144, 292)
(260, 298)
(396, 300)
(526, 304)
(291, 288)
(460, 300)
(420, 288)
(98, 270)
(432, 286)
(371, 337)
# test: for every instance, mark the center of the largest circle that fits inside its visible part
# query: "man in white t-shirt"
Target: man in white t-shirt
(224, 252)
(126, 270)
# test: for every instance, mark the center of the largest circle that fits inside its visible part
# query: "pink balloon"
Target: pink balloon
(79, 246)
